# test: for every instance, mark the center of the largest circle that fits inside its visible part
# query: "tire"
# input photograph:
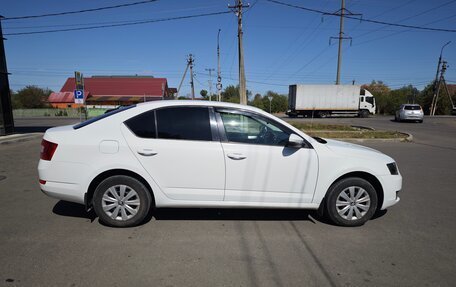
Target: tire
(420, 121)
(346, 190)
(363, 114)
(129, 209)
(323, 114)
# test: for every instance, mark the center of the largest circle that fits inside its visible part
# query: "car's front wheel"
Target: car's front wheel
(351, 202)
(121, 201)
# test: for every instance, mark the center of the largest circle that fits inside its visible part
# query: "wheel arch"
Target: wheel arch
(112, 172)
(372, 179)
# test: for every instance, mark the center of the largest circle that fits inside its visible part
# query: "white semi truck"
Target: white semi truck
(326, 100)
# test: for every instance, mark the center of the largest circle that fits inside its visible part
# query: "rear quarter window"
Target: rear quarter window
(143, 125)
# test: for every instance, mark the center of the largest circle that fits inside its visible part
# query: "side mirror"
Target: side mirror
(295, 141)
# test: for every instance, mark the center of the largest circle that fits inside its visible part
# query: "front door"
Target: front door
(259, 166)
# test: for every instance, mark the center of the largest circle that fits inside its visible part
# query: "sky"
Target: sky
(282, 45)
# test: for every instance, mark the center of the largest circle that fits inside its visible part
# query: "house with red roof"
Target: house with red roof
(109, 91)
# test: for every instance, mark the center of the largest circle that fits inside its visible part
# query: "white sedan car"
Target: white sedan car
(205, 154)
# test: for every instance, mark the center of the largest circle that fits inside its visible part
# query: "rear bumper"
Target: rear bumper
(62, 180)
(64, 191)
(411, 117)
(391, 184)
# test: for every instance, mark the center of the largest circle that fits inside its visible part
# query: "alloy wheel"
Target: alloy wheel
(120, 202)
(353, 203)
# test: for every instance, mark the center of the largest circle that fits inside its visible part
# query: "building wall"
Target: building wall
(65, 105)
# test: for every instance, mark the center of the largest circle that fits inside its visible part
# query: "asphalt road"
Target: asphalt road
(46, 242)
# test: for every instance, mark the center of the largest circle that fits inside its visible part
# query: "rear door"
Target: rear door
(181, 152)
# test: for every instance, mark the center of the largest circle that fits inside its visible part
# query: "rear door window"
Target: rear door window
(184, 123)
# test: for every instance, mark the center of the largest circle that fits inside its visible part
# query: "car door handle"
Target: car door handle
(147, 152)
(236, 156)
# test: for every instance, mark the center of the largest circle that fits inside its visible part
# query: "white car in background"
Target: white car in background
(207, 154)
(409, 112)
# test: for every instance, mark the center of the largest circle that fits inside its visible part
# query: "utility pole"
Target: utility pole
(6, 111)
(210, 82)
(341, 34)
(219, 76)
(183, 78)
(438, 66)
(237, 9)
(435, 99)
(341, 13)
(190, 63)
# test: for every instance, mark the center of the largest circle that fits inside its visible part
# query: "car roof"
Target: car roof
(170, 103)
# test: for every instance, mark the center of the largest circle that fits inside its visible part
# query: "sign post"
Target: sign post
(79, 92)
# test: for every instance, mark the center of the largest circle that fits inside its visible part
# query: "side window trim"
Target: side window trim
(214, 125)
(155, 123)
(220, 127)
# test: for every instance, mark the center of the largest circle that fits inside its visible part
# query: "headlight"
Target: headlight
(392, 168)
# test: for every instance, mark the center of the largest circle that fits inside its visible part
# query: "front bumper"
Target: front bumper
(391, 184)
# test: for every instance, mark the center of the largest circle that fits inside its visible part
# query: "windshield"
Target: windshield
(370, 100)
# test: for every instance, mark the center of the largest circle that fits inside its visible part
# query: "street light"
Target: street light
(270, 102)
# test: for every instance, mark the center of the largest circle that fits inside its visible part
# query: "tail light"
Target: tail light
(47, 149)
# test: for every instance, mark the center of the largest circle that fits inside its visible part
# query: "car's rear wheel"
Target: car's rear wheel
(121, 201)
(351, 202)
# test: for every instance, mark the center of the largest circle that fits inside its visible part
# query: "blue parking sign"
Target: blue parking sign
(78, 96)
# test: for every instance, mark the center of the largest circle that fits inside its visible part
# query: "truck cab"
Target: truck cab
(366, 102)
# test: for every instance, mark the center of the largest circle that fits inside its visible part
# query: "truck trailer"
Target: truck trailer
(326, 100)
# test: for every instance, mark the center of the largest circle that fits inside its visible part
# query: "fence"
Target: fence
(68, 113)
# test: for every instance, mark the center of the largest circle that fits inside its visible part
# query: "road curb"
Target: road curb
(15, 138)
(409, 138)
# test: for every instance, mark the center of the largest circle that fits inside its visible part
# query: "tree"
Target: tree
(31, 97)
(204, 95)
(400, 96)
(257, 102)
(279, 103)
(443, 104)
(381, 93)
(231, 94)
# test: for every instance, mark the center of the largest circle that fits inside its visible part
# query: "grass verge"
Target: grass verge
(346, 132)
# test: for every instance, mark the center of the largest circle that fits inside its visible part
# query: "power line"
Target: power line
(78, 11)
(399, 32)
(362, 19)
(120, 25)
(408, 18)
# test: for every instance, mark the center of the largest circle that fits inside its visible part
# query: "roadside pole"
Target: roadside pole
(6, 110)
